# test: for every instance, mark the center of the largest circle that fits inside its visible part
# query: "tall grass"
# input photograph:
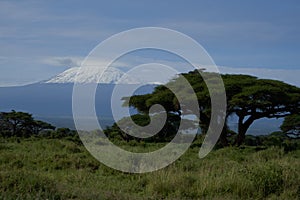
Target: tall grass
(60, 169)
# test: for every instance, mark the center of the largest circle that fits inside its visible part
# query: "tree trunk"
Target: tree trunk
(242, 129)
(240, 137)
(223, 136)
(204, 122)
(14, 129)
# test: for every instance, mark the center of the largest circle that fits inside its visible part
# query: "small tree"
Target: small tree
(38, 126)
(20, 124)
(17, 123)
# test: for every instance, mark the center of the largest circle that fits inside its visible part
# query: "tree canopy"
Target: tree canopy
(248, 97)
(21, 124)
(251, 98)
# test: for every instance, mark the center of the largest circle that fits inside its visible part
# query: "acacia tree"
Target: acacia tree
(20, 124)
(261, 99)
(164, 96)
(17, 123)
(248, 97)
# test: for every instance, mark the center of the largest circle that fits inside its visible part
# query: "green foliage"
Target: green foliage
(267, 178)
(262, 98)
(16, 123)
(278, 139)
(248, 97)
(20, 124)
(165, 134)
(38, 126)
(291, 125)
(291, 145)
(27, 185)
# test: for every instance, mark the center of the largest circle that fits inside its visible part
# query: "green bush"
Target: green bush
(291, 145)
(267, 178)
(27, 185)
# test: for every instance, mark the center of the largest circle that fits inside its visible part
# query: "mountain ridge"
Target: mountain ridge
(111, 75)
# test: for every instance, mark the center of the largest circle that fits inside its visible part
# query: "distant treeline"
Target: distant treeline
(22, 125)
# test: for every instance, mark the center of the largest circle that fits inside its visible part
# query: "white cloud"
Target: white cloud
(63, 61)
(73, 61)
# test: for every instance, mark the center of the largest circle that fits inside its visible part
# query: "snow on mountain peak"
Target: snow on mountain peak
(93, 75)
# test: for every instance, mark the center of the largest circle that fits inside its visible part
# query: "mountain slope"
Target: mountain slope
(52, 102)
(93, 75)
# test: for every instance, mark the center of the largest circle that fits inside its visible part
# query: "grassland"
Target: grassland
(38, 168)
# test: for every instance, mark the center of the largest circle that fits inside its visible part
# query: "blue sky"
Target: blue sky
(39, 39)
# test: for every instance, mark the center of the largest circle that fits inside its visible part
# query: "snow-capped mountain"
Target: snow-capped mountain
(93, 75)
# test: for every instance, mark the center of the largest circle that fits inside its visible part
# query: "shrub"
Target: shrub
(267, 178)
(27, 185)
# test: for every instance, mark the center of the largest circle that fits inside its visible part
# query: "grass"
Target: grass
(60, 169)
